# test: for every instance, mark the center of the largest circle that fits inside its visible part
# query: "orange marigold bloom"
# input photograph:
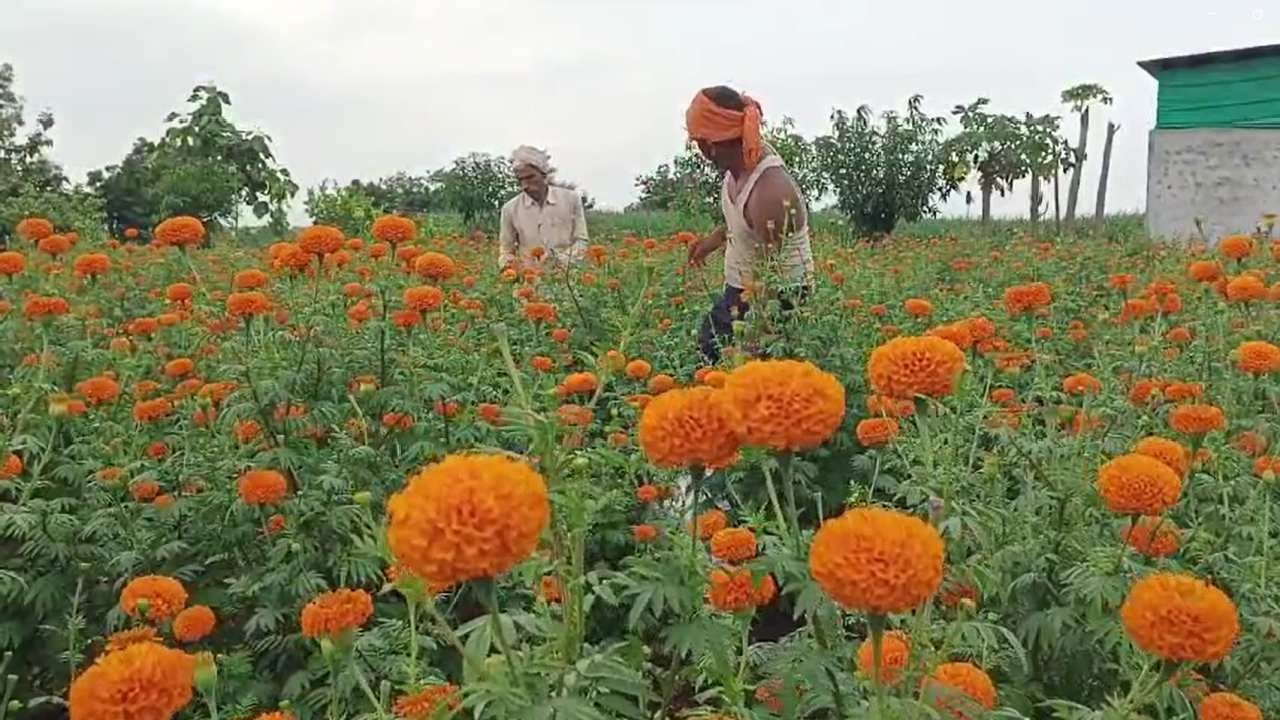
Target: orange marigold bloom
(638, 369)
(98, 390)
(194, 624)
(1002, 396)
(151, 410)
(1227, 706)
(690, 427)
(1138, 485)
(1250, 443)
(91, 264)
(1236, 247)
(574, 415)
(54, 245)
(1205, 271)
(394, 229)
(11, 468)
(12, 263)
(276, 715)
(423, 298)
(883, 405)
(1179, 391)
(709, 523)
(980, 328)
(1245, 288)
(181, 231)
(918, 307)
(33, 229)
(40, 306)
(1180, 618)
(144, 680)
(958, 333)
(909, 366)
(178, 292)
(1179, 334)
(247, 304)
(1020, 299)
(164, 597)
(960, 689)
(127, 638)
(540, 312)
(426, 703)
(877, 561)
(262, 487)
(467, 517)
(1169, 452)
(434, 266)
(1152, 536)
(648, 493)
(895, 651)
(644, 533)
(785, 405)
(549, 589)
(179, 367)
(735, 591)
(733, 545)
(661, 383)
(1196, 419)
(1081, 384)
(251, 279)
(320, 239)
(873, 432)
(581, 383)
(333, 613)
(1121, 281)
(1258, 357)
(144, 490)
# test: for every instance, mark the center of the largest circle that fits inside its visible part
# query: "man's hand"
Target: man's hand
(699, 250)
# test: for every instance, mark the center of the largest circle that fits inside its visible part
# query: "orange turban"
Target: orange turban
(712, 123)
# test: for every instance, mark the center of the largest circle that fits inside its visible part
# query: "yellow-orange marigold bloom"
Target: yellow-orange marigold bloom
(733, 545)
(180, 231)
(194, 624)
(98, 390)
(873, 432)
(262, 487)
(1020, 299)
(581, 383)
(126, 638)
(1196, 419)
(426, 703)
(1180, 618)
(895, 651)
(164, 597)
(905, 367)
(1180, 334)
(644, 533)
(1081, 384)
(151, 410)
(660, 383)
(960, 689)
(918, 307)
(178, 292)
(540, 312)
(1250, 443)
(468, 517)
(179, 367)
(11, 468)
(276, 715)
(251, 279)
(247, 304)
(1152, 536)
(434, 266)
(1138, 485)
(1170, 452)
(1205, 271)
(958, 333)
(394, 229)
(638, 369)
(91, 264)
(877, 561)
(320, 239)
(54, 245)
(333, 613)
(690, 427)
(1180, 391)
(1258, 357)
(1227, 706)
(33, 229)
(707, 524)
(885, 406)
(735, 591)
(144, 680)
(423, 298)
(785, 405)
(1245, 288)
(12, 263)
(1236, 247)
(40, 306)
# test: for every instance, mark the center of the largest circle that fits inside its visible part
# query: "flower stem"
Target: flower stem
(876, 622)
(444, 630)
(489, 591)
(412, 604)
(364, 685)
(777, 506)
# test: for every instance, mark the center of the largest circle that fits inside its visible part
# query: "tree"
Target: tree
(993, 146)
(1100, 209)
(402, 193)
(801, 158)
(882, 174)
(350, 208)
(1080, 97)
(688, 185)
(476, 185)
(1042, 147)
(203, 165)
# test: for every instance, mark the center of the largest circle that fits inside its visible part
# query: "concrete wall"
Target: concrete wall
(1228, 177)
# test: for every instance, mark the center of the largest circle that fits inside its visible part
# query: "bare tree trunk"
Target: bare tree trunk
(1035, 201)
(986, 204)
(1100, 211)
(1073, 193)
(1057, 203)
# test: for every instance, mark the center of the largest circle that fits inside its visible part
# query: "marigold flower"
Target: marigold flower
(877, 561)
(735, 591)
(178, 293)
(276, 715)
(39, 307)
(1250, 443)
(708, 523)
(54, 245)
(574, 415)
(648, 493)
(980, 328)
(333, 613)
(638, 369)
(194, 624)
(918, 307)
(661, 383)
(1258, 357)
(248, 304)
(434, 266)
(181, 231)
(1180, 391)
(467, 517)
(320, 239)
(644, 533)
(394, 229)
(1245, 288)
(1227, 706)
(1020, 299)
(895, 651)
(582, 383)
(1138, 485)
(1236, 247)
(733, 545)
(179, 367)
(905, 367)
(251, 279)
(12, 263)
(262, 487)
(785, 405)
(1204, 271)
(144, 680)
(145, 411)
(164, 597)
(549, 589)
(885, 406)
(423, 298)
(960, 689)
(33, 229)
(1152, 536)
(91, 265)
(1169, 452)
(126, 638)
(144, 490)
(957, 333)
(11, 468)
(690, 427)
(426, 703)
(1081, 384)
(98, 390)
(873, 432)
(540, 312)
(1180, 618)
(1196, 419)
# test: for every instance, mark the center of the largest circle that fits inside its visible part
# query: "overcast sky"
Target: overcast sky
(364, 88)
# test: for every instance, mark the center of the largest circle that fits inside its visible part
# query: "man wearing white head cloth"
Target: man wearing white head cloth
(545, 222)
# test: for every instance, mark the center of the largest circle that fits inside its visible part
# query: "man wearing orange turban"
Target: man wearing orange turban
(765, 235)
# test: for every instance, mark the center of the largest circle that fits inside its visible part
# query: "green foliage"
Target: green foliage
(1081, 96)
(884, 173)
(801, 158)
(475, 186)
(994, 146)
(349, 207)
(688, 185)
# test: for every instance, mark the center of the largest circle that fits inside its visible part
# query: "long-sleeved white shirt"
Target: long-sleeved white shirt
(559, 227)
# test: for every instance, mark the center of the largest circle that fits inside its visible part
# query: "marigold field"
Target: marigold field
(377, 477)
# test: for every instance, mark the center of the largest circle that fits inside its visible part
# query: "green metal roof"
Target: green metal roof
(1230, 88)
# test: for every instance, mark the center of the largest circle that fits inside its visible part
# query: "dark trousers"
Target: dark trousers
(717, 326)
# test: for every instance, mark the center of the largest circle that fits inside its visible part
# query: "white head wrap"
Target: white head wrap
(533, 157)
